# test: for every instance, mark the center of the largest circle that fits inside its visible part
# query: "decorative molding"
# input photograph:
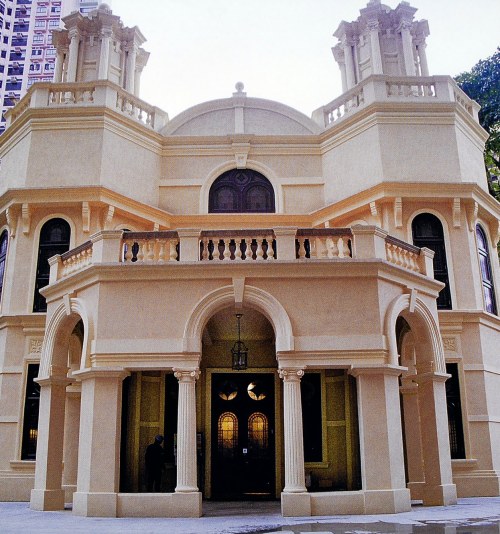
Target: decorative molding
(456, 213)
(373, 209)
(398, 212)
(156, 227)
(450, 344)
(85, 217)
(240, 152)
(472, 216)
(26, 217)
(109, 217)
(35, 346)
(11, 221)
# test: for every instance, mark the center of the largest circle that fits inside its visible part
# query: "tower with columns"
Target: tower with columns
(381, 41)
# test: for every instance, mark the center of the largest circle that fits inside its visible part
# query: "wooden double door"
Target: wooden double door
(243, 436)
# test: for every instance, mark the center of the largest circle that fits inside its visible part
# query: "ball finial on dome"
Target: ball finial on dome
(239, 87)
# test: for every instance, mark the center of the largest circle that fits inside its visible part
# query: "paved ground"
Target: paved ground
(469, 516)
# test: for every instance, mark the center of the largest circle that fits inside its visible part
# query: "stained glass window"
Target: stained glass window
(258, 431)
(228, 434)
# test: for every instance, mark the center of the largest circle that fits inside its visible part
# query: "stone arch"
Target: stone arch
(54, 356)
(255, 298)
(422, 323)
(250, 164)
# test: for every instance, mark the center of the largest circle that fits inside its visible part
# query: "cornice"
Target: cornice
(35, 321)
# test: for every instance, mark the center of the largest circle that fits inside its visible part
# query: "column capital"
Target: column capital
(186, 375)
(291, 374)
(423, 378)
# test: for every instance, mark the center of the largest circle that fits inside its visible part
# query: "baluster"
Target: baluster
(128, 250)
(140, 252)
(237, 250)
(204, 249)
(270, 250)
(150, 251)
(302, 247)
(162, 244)
(388, 251)
(259, 253)
(172, 244)
(226, 250)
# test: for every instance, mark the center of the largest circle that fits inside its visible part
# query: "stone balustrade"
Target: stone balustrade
(322, 243)
(280, 244)
(150, 247)
(383, 88)
(238, 245)
(100, 93)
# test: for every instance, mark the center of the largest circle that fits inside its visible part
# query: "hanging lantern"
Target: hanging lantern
(239, 351)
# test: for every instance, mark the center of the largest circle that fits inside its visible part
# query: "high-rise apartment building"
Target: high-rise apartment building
(27, 55)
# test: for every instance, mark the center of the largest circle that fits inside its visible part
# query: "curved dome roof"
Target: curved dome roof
(241, 115)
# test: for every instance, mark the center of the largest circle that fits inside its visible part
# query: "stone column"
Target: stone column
(349, 63)
(71, 435)
(74, 46)
(405, 28)
(424, 67)
(130, 69)
(413, 440)
(294, 438)
(104, 55)
(48, 493)
(58, 69)
(99, 448)
(377, 67)
(439, 488)
(381, 441)
(186, 431)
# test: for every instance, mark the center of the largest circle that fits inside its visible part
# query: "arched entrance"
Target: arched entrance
(240, 459)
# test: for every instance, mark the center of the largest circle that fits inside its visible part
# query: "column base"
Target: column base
(295, 504)
(159, 505)
(416, 490)
(47, 500)
(94, 504)
(441, 495)
(387, 501)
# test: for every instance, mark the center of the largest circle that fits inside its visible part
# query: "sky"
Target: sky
(281, 49)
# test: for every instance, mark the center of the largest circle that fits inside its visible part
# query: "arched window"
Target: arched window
(4, 240)
(428, 232)
(54, 239)
(241, 191)
(486, 273)
(258, 432)
(227, 434)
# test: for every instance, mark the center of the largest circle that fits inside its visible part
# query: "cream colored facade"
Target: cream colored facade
(139, 324)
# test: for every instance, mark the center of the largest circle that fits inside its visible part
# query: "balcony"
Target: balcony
(89, 94)
(278, 245)
(392, 89)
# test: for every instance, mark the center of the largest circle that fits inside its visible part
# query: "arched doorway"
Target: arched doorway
(240, 457)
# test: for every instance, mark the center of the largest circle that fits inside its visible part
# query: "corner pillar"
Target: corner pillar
(99, 447)
(381, 441)
(186, 431)
(295, 501)
(71, 438)
(48, 493)
(439, 488)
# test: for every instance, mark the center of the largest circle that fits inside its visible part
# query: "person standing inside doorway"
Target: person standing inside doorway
(155, 458)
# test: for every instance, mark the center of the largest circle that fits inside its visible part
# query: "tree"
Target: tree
(482, 84)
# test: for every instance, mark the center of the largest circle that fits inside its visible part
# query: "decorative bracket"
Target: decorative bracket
(398, 212)
(456, 213)
(156, 227)
(11, 221)
(240, 151)
(26, 216)
(472, 216)
(109, 217)
(85, 217)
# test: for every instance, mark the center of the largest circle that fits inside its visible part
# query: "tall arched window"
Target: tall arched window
(4, 240)
(241, 191)
(486, 272)
(428, 232)
(54, 239)
(227, 434)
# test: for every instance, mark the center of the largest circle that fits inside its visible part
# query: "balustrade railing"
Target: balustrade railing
(402, 254)
(150, 247)
(76, 259)
(237, 245)
(414, 88)
(71, 93)
(323, 243)
(135, 108)
(218, 246)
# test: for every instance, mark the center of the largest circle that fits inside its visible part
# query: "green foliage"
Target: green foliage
(482, 84)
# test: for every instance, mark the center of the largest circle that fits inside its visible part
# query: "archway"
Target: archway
(415, 337)
(239, 457)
